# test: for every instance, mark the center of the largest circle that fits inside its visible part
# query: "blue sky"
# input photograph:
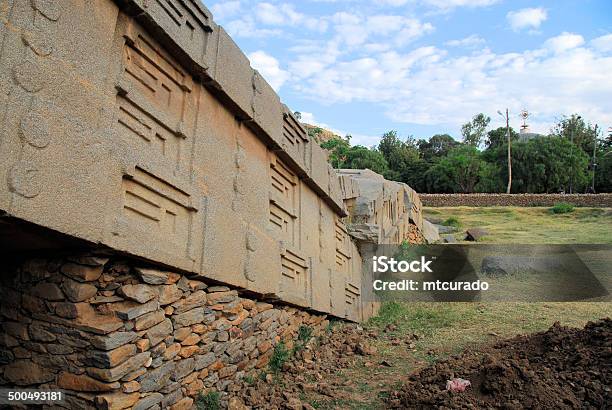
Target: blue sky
(423, 67)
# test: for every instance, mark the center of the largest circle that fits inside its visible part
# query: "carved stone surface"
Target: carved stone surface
(152, 135)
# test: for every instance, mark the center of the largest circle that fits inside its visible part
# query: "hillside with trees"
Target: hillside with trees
(561, 161)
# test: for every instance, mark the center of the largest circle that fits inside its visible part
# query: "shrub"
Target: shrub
(279, 357)
(208, 401)
(304, 333)
(452, 221)
(562, 208)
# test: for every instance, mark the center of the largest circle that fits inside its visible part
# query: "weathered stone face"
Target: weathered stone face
(185, 155)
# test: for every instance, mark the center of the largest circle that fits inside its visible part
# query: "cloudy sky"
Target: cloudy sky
(426, 66)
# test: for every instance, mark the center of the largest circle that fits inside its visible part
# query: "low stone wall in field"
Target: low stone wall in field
(441, 200)
(114, 335)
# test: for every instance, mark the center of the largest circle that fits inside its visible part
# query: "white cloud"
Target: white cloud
(269, 68)
(470, 41)
(427, 86)
(603, 43)
(563, 42)
(451, 4)
(530, 18)
(225, 9)
(247, 27)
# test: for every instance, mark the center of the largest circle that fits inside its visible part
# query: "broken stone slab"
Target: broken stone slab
(149, 320)
(364, 232)
(430, 232)
(148, 401)
(159, 332)
(113, 340)
(88, 260)
(116, 373)
(83, 383)
(190, 317)
(26, 372)
(116, 401)
(81, 273)
(449, 239)
(88, 322)
(48, 291)
(111, 358)
(156, 379)
(222, 297)
(169, 294)
(153, 276)
(196, 299)
(475, 234)
(183, 368)
(140, 293)
(443, 229)
(77, 291)
(129, 310)
(98, 300)
(204, 360)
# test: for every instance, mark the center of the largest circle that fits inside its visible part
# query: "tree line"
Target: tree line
(562, 161)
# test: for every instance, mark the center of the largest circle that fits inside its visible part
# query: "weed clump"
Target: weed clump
(452, 221)
(562, 208)
(208, 401)
(280, 355)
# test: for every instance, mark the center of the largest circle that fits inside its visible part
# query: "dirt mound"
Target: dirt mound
(560, 368)
(309, 371)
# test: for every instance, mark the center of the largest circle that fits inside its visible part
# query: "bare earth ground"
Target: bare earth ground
(367, 367)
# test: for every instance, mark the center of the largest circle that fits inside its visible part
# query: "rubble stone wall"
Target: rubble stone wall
(588, 200)
(114, 334)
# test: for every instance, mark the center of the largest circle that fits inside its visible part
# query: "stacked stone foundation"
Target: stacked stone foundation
(113, 333)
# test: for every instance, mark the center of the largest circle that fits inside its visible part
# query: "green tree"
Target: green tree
(498, 137)
(359, 157)
(576, 129)
(338, 149)
(436, 147)
(459, 171)
(474, 131)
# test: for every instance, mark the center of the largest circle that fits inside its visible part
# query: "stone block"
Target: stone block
(83, 383)
(140, 293)
(26, 372)
(113, 340)
(116, 373)
(116, 401)
(82, 273)
(77, 291)
(233, 74)
(159, 332)
(190, 317)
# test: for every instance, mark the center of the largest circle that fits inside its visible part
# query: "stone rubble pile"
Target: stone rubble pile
(114, 335)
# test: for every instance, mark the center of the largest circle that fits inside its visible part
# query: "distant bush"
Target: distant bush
(452, 221)
(562, 208)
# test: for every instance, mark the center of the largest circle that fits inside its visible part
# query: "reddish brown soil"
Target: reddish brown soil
(560, 368)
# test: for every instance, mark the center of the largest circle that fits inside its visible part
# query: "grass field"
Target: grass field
(445, 329)
(535, 225)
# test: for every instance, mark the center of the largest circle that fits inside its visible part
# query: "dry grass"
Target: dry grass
(535, 225)
(449, 328)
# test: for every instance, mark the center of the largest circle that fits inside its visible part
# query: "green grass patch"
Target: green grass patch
(562, 208)
(420, 319)
(280, 355)
(533, 225)
(208, 401)
(452, 221)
